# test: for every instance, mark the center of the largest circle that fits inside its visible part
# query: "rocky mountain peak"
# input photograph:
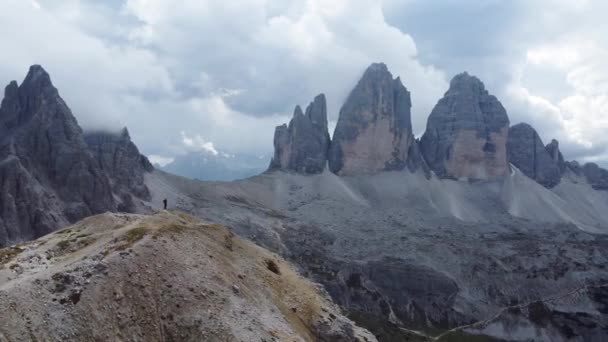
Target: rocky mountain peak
(374, 129)
(302, 146)
(37, 78)
(121, 160)
(465, 83)
(317, 111)
(528, 153)
(467, 132)
(47, 172)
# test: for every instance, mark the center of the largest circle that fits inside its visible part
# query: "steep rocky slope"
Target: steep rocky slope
(166, 277)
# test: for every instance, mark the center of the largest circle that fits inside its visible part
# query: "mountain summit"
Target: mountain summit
(48, 175)
(467, 132)
(374, 130)
(302, 146)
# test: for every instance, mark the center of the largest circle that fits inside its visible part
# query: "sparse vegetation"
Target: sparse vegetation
(131, 237)
(228, 240)
(8, 254)
(272, 266)
(172, 228)
(63, 245)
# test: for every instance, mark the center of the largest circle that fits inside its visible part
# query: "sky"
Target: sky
(218, 76)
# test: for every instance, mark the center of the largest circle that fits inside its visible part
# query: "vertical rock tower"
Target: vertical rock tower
(467, 133)
(302, 146)
(527, 152)
(47, 174)
(374, 130)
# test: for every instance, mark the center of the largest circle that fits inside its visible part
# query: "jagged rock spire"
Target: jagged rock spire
(467, 132)
(527, 152)
(302, 146)
(374, 130)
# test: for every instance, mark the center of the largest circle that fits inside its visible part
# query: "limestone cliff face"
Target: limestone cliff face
(120, 159)
(527, 152)
(467, 133)
(47, 175)
(302, 146)
(374, 130)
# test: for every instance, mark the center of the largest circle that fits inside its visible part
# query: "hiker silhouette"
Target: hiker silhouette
(165, 203)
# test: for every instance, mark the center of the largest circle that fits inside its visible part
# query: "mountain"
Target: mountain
(528, 153)
(120, 159)
(166, 277)
(477, 231)
(303, 145)
(49, 177)
(466, 133)
(374, 129)
(217, 166)
(475, 249)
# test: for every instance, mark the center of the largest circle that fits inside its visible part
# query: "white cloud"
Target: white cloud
(160, 160)
(579, 117)
(198, 144)
(230, 71)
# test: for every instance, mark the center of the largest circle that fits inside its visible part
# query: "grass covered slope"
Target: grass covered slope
(165, 277)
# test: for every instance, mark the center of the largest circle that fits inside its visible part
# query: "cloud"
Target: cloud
(160, 160)
(198, 144)
(545, 60)
(231, 71)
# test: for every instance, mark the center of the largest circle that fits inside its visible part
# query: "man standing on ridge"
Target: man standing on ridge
(165, 204)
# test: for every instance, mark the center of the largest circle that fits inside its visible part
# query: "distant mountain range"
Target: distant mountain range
(210, 166)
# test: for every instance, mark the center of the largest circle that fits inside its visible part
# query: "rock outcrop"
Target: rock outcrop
(467, 132)
(374, 130)
(302, 146)
(47, 174)
(528, 153)
(120, 159)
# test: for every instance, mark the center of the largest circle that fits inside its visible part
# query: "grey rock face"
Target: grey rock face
(302, 146)
(553, 150)
(48, 176)
(467, 132)
(120, 159)
(596, 176)
(374, 130)
(528, 153)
